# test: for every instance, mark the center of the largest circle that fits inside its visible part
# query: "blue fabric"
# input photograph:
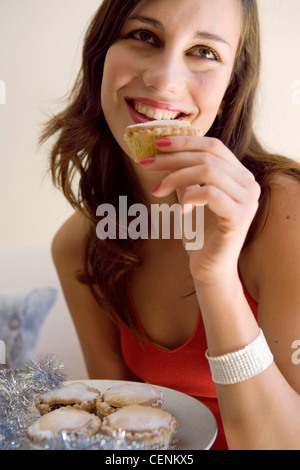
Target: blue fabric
(22, 315)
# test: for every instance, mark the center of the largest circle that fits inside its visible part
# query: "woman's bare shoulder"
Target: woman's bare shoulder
(69, 241)
(99, 337)
(284, 188)
(277, 239)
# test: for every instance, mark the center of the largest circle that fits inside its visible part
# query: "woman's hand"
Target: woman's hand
(203, 171)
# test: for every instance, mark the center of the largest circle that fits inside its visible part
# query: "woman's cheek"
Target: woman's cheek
(209, 94)
(113, 72)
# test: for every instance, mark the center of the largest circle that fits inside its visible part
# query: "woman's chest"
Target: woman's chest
(164, 299)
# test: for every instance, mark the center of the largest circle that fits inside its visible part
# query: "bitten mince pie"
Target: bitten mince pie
(141, 138)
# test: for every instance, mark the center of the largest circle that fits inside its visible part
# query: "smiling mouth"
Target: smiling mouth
(152, 113)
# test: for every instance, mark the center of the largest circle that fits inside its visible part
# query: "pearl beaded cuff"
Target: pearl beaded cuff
(241, 365)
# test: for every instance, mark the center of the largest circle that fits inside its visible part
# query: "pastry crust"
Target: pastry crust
(77, 395)
(128, 394)
(75, 422)
(140, 138)
(151, 426)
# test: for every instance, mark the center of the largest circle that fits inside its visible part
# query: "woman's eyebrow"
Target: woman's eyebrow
(147, 20)
(158, 24)
(211, 36)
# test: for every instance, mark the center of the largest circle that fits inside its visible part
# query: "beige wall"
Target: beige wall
(278, 117)
(39, 57)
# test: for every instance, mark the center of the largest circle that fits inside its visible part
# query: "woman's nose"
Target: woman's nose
(165, 73)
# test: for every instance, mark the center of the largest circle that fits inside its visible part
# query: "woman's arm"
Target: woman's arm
(264, 411)
(98, 336)
(268, 406)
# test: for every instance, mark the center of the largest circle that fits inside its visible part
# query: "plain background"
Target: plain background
(40, 52)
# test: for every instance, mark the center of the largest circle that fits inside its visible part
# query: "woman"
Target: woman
(136, 303)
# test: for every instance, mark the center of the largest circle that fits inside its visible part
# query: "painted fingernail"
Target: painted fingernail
(146, 160)
(160, 143)
(156, 187)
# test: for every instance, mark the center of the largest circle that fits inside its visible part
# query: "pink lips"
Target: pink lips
(138, 118)
(135, 116)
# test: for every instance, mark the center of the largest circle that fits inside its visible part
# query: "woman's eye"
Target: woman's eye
(205, 52)
(144, 35)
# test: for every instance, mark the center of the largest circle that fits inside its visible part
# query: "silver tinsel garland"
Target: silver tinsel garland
(18, 388)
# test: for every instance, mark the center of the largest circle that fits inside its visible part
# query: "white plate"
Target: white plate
(197, 429)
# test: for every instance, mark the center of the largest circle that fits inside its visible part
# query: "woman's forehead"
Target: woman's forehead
(219, 17)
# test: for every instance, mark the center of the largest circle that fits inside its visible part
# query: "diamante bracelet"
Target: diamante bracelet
(241, 365)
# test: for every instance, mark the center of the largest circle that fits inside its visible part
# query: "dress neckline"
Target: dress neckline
(199, 325)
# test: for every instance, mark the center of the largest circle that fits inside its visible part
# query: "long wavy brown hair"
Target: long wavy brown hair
(85, 147)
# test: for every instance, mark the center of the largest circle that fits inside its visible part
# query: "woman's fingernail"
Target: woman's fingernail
(146, 160)
(156, 187)
(160, 143)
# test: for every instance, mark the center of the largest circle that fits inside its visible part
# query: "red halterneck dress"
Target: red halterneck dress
(184, 369)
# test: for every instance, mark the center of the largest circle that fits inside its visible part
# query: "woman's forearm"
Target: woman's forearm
(264, 411)
(228, 320)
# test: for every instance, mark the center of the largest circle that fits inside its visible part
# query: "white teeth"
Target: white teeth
(155, 113)
(158, 114)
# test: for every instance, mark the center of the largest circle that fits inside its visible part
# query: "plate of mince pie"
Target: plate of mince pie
(111, 414)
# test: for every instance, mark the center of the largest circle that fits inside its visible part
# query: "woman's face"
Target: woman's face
(173, 60)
